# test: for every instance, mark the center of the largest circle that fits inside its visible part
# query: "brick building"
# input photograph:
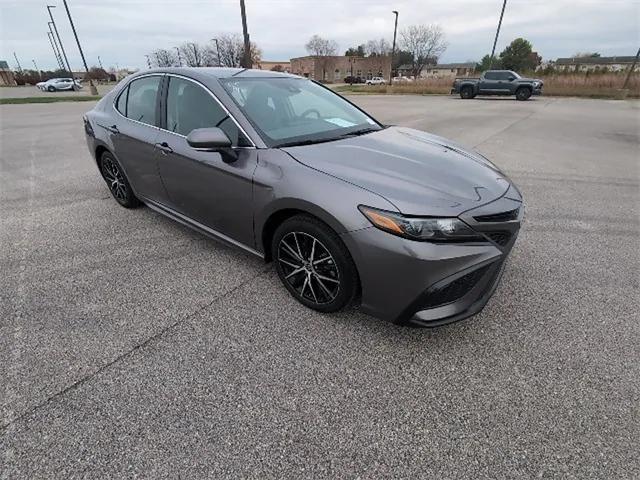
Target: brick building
(334, 69)
(272, 64)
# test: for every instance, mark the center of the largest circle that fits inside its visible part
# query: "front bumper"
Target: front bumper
(427, 284)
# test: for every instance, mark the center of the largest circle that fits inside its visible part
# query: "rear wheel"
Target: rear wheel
(523, 93)
(117, 181)
(314, 264)
(466, 93)
(51, 88)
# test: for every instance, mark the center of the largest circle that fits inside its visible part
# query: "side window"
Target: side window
(491, 76)
(190, 106)
(141, 99)
(504, 75)
(121, 103)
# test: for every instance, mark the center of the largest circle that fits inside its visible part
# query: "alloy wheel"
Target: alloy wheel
(115, 179)
(309, 268)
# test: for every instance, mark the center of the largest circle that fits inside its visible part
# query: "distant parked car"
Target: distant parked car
(402, 79)
(497, 82)
(352, 79)
(61, 84)
(376, 81)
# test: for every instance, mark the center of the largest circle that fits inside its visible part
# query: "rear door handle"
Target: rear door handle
(164, 148)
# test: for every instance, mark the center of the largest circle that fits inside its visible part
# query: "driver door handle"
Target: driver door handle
(164, 148)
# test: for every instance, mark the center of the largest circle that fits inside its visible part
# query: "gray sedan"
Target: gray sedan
(411, 226)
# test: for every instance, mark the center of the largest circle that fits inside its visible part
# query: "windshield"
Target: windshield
(290, 111)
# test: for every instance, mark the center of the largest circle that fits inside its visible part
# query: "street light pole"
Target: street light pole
(18, 62)
(495, 41)
(246, 60)
(55, 44)
(55, 52)
(393, 48)
(55, 29)
(633, 65)
(37, 69)
(94, 90)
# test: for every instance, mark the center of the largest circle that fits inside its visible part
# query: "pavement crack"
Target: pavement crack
(128, 353)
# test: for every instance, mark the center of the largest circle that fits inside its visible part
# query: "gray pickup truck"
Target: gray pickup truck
(497, 82)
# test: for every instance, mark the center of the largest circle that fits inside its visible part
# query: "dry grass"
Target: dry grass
(574, 85)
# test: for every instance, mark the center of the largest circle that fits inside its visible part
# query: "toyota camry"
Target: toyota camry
(413, 227)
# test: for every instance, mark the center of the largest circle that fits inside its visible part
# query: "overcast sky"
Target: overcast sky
(123, 31)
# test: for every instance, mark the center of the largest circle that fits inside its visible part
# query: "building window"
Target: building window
(369, 75)
(336, 75)
(359, 73)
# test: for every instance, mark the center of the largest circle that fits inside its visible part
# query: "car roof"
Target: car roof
(219, 72)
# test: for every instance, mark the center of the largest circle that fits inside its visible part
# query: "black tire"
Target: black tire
(117, 182)
(523, 93)
(51, 88)
(327, 279)
(466, 93)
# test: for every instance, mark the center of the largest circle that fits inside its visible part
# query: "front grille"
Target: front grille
(499, 217)
(501, 238)
(454, 290)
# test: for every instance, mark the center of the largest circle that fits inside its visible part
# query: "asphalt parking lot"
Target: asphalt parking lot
(132, 346)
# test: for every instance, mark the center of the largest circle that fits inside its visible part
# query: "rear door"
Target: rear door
(134, 134)
(214, 188)
(489, 84)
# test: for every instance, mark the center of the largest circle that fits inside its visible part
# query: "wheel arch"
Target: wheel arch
(285, 209)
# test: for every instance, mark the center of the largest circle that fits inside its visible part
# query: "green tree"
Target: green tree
(355, 51)
(486, 64)
(519, 56)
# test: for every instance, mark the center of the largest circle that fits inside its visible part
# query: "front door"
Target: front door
(213, 188)
(490, 83)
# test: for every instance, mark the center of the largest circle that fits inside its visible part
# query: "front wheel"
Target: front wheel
(314, 265)
(523, 94)
(51, 88)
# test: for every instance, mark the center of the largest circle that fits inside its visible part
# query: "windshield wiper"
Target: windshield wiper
(300, 143)
(362, 131)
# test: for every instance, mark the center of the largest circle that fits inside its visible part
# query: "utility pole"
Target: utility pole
(37, 69)
(218, 51)
(55, 29)
(94, 90)
(393, 48)
(633, 65)
(55, 44)
(55, 52)
(100, 62)
(246, 59)
(18, 62)
(179, 58)
(495, 41)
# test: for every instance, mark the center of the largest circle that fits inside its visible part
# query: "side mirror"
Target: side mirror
(511, 79)
(208, 138)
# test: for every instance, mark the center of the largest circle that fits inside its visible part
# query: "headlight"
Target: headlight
(422, 229)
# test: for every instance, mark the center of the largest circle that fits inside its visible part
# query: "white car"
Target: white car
(402, 80)
(376, 81)
(58, 84)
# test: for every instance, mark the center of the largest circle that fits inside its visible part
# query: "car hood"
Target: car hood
(420, 173)
(529, 80)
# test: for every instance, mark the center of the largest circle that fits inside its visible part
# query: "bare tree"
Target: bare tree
(377, 48)
(194, 55)
(425, 43)
(231, 51)
(322, 49)
(164, 58)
